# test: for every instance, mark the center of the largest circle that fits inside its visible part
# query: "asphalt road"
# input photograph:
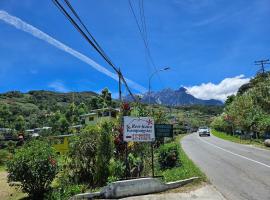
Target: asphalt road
(239, 172)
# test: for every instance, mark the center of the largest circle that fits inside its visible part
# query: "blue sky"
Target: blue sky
(208, 45)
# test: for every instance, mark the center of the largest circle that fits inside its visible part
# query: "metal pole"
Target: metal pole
(149, 91)
(119, 87)
(152, 151)
(126, 160)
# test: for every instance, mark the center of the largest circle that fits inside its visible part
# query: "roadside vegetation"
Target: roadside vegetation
(247, 114)
(184, 167)
(96, 153)
(238, 139)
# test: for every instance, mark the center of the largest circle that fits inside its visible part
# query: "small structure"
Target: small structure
(60, 143)
(97, 115)
(38, 131)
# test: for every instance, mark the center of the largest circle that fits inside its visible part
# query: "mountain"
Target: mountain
(178, 97)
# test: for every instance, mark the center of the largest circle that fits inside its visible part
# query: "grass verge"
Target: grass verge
(187, 169)
(237, 139)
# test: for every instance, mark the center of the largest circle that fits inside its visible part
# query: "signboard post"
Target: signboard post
(139, 129)
(163, 130)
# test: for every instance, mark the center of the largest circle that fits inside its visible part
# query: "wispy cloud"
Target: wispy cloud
(21, 25)
(58, 86)
(210, 20)
(219, 91)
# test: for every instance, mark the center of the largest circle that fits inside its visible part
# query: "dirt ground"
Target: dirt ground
(7, 192)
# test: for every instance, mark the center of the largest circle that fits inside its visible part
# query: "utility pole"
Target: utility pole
(119, 85)
(262, 63)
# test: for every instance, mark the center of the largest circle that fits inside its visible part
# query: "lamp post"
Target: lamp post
(149, 90)
(150, 78)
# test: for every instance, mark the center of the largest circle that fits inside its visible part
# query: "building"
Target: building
(98, 115)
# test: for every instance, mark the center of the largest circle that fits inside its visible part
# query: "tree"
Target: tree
(34, 166)
(19, 123)
(229, 100)
(82, 109)
(106, 98)
(83, 151)
(5, 116)
(104, 153)
(72, 114)
(63, 125)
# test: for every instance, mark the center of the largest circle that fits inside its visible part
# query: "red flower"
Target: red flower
(52, 161)
(126, 106)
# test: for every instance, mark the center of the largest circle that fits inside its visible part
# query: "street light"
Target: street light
(150, 77)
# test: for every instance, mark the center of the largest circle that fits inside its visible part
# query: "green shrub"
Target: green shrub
(117, 170)
(104, 153)
(65, 192)
(11, 145)
(4, 155)
(82, 156)
(34, 166)
(168, 155)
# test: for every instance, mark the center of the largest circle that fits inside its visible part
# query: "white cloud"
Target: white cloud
(58, 86)
(219, 91)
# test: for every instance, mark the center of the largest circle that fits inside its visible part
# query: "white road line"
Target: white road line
(255, 161)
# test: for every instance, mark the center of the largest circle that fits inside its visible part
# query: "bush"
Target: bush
(65, 192)
(34, 166)
(168, 155)
(117, 169)
(104, 153)
(83, 149)
(4, 155)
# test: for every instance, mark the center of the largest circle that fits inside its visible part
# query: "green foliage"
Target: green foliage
(83, 151)
(116, 169)
(187, 169)
(11, 146)
(106, 98)
(34, 166)
(4, 155)
(249, 109)
(19, 123)
(90, 154)
(219, 123)
(65, 192)
(229, 100)
(38, 107)
(104, 152)
(168, 155)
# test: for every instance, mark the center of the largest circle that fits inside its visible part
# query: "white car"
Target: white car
(204, 131)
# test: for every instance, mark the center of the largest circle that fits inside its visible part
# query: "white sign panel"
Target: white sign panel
(139, 129)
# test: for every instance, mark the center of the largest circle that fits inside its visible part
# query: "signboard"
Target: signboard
(139, 129)
(163, 130)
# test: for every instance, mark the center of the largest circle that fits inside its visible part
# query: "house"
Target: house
(98, 115)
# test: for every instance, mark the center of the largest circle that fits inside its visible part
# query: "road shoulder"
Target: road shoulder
(204, 192)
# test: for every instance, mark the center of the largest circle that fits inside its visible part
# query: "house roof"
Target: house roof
(88, 114)
(95, 111)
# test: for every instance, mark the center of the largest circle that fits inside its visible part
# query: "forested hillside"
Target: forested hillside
(249, 110)
(45, 108)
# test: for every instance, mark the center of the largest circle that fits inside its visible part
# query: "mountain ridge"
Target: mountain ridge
(178, 97)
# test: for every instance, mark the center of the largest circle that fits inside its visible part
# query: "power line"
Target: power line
(73, 22)
(92, 42)
(143, 32)
(262, 63)
(92, 37)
